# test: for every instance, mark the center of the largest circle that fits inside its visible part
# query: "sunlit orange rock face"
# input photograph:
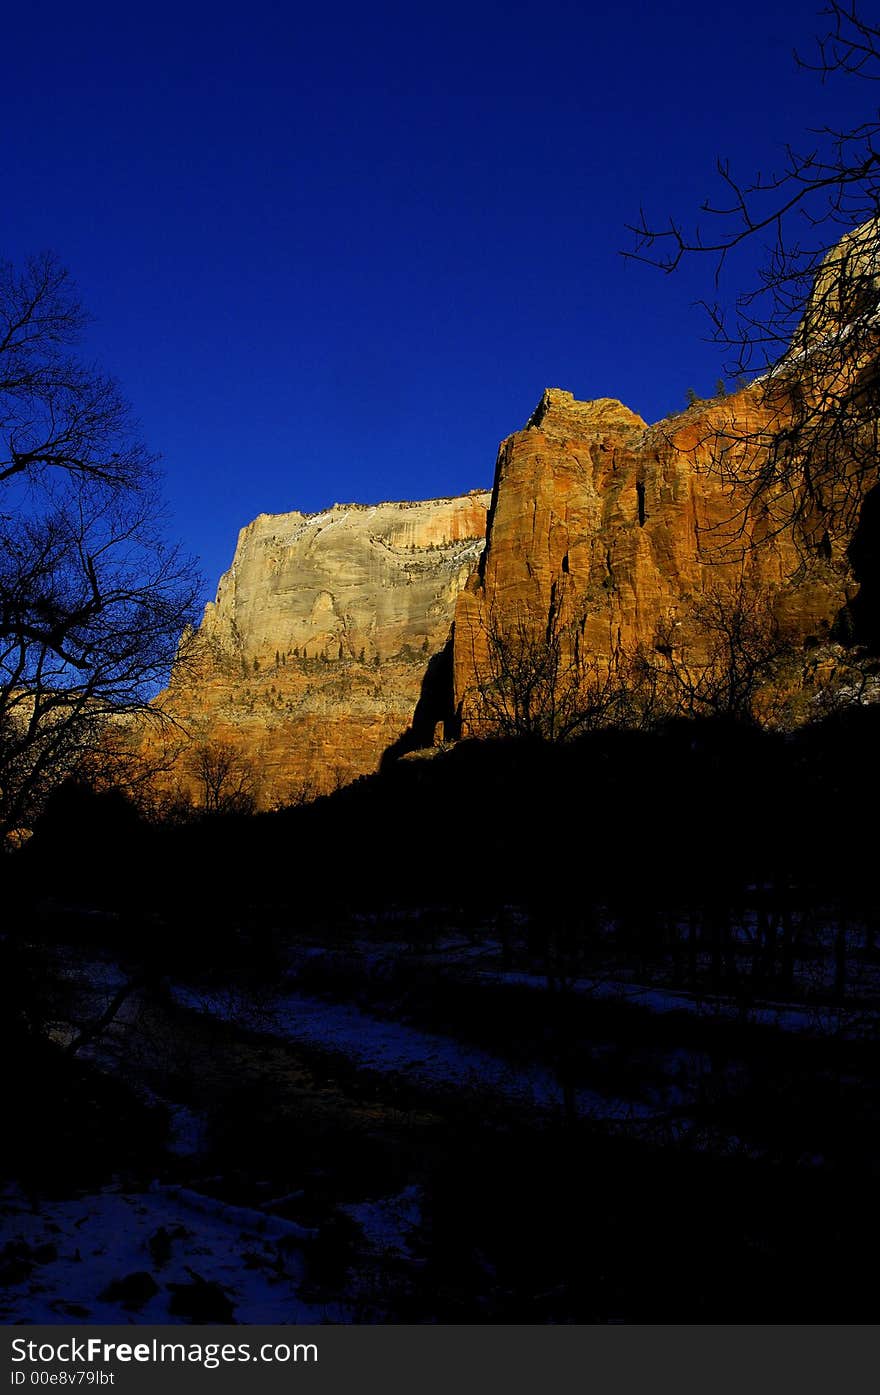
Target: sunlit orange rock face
(620, 526)
(310, 660)
(319, 645)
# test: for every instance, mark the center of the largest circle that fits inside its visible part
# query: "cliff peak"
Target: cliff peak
(846, 290)
(312, 656)
(560, 413)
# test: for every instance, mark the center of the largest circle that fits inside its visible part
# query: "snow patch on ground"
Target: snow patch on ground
(389, 1224)
(56, 1263)
(425, 1058)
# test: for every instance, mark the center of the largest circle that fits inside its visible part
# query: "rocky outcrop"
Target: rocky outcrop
(331, 630)
(603, 523)
(845, 293)
(310, 661)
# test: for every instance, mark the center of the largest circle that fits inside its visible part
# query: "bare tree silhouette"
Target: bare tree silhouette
(92, 599)
(537, 681)
(725, 655)
(225, 779)
(808, 326)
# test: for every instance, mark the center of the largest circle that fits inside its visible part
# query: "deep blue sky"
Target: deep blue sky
(335, 252)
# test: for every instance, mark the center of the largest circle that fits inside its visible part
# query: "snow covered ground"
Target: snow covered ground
(390, 1223)
(163, 1256)
(424, 1058)
(462, 960)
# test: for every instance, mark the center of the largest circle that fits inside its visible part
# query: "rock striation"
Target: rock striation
(330, 633)
(310, 660)
(603, 522)
(631, 533)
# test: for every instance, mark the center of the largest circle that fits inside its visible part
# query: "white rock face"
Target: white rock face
(311, 658)
(376, 578)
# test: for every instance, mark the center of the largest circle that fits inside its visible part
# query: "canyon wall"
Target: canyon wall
(330, 630)
(331, 634)
(646, 541)
(310, 661)
(617, 530)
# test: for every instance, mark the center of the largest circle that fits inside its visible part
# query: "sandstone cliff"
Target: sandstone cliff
(618, 528)
(329, 628)
(618, 532)
(310, 660)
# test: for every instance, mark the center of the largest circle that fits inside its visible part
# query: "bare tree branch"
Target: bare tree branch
(92, 599)
(806, 332)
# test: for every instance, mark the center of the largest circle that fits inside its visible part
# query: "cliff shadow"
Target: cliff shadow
(434, 712)
(860, 620)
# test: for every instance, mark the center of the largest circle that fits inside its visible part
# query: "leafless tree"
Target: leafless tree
(226, 780)
(724, 655)
(140, 763)
(92, 598)
(538, 682)
(809, 325)
(297, 794)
